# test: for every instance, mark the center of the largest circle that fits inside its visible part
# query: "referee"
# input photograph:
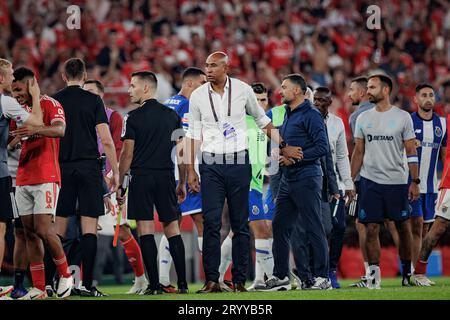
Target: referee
(81, 169)
(149, 136)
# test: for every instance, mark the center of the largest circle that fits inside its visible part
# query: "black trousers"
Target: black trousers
(230, 181)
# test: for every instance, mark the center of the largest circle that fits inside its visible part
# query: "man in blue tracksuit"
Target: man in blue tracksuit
(299, 196)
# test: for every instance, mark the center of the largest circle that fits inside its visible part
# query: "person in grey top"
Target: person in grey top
(382, 136)
(11, 109)
(357, 93)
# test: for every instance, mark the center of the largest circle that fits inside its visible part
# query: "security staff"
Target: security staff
(149, 137)
(299, 196)
(218, 116)
(81, 175)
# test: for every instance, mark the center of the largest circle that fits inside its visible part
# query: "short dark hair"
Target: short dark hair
(259, 87)
(384, 79)
(361, 81)
(97, 83)
(324, 90)
(420, 86)
(74, 68)
(298, 80)
(22, 73)
(147, 76)
(192, 72)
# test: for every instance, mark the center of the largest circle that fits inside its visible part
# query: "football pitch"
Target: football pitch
(391, 290)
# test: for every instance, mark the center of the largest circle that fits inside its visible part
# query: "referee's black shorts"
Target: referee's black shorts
(83, 184)
(7, 202)
(153, 190)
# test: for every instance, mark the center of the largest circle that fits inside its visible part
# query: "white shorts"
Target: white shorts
(443, 204)
(108, 222)
(37, 198)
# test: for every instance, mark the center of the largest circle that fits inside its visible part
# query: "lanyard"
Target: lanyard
(211, 102)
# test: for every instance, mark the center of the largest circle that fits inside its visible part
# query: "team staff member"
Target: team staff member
(357, 94)
(383, 134)
(218, 116)
(299, 195)
(80, 166)
(341, 166)
(11, 109)
(148, 141)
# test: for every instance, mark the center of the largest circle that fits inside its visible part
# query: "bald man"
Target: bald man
(217, 116)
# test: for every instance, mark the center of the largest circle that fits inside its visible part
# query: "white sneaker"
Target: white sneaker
(373, 283)
(374, 279)
(6, 290)
(139, 286)
(64, 287)
(276, 284)
(297, 283)
(225, 287)
(255, 284)
(322, 284)
(421, 280)
(35, 294)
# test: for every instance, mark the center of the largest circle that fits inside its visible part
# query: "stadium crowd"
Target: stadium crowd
(327, 41)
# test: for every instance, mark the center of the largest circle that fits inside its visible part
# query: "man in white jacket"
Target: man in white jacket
(341, 164)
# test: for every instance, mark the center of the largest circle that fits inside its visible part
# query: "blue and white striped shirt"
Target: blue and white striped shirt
(430, 136)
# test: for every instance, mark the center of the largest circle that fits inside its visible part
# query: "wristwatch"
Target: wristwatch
(416, 181)
(282, 145)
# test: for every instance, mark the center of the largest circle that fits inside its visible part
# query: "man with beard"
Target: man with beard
(431, 137)
(382, 136)
(357, 93)
(299, 196)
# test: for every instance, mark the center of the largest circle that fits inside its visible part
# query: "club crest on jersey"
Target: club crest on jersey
(255, 210)
(438, 131)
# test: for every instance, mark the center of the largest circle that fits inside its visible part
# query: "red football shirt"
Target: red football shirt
(38, 162)
(445, 181)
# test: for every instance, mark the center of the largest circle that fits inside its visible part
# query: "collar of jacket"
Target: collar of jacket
(303, 107)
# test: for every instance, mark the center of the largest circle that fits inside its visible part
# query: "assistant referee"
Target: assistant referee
(149, 137)
(81, 169)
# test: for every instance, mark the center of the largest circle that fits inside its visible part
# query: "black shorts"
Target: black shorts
(8, 209)
(82, 185)
(147, 191)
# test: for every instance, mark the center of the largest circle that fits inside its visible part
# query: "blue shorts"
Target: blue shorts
(424, 207)
(192, 204)
(269, 205)
(382, 201)
(255, 206)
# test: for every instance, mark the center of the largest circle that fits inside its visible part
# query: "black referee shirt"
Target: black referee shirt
(152, 127)
(84, 111)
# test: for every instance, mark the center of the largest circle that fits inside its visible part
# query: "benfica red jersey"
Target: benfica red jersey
(445, 181)
(38, 162)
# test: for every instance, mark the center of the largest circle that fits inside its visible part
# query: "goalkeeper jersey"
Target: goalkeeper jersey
(257, 147)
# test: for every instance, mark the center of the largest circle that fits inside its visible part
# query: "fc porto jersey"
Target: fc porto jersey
(180, 104)
(430, 136)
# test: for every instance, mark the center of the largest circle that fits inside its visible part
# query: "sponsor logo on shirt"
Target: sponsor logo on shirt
(371, 138)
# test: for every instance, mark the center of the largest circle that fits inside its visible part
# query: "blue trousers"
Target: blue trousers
(299, 207)
(230, 182)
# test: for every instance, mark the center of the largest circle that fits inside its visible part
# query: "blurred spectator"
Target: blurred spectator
(327, 41)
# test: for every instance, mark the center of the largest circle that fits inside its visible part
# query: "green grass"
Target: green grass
(391, 290)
